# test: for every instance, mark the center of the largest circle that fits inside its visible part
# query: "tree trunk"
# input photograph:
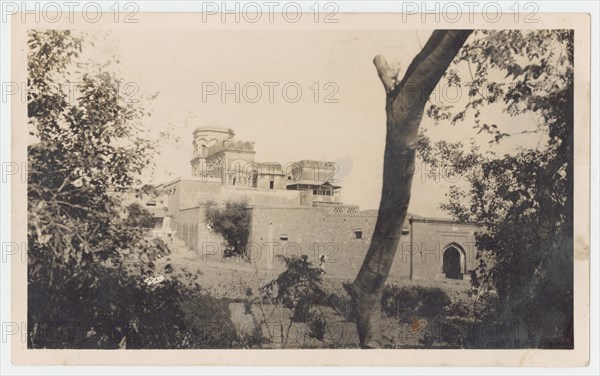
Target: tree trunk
(405, 103)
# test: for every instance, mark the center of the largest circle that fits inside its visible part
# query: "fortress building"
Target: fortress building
(297, 208)
(219, 158)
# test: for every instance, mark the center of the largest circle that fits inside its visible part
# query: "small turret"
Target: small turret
(206, 137)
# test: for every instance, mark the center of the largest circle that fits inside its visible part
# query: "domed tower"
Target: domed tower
(206, 138)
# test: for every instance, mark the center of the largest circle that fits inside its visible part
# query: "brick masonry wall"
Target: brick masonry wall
(192, 229)
(331, 231)
(187, 224)
(184, 194)
(321, 231)
(313, 232)
(431, 240)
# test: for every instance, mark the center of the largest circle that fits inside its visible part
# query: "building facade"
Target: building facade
(297, 209)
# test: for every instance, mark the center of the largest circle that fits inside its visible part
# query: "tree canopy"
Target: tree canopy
(87, 264)
(232, 222)
(523, 199)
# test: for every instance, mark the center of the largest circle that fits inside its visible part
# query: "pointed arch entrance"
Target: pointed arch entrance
(453, 262)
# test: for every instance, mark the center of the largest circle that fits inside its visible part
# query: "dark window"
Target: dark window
(357, 234)
(151, 203)
(271, 184)
(283, 238)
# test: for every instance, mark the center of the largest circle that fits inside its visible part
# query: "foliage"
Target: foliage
(298, 287)
(255, 337)
(342, 301)
(92, 275)
(524, 200)
(404, 111)
(139, 217)
(209, 320)
(148, 190)
(400, 301)
(232, 222)
(468, 333)
(316, 325)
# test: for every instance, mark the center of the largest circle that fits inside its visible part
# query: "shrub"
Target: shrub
(139, 217)
(396, 301)
(298, 287)
(232, 222)
(91, 274)
(433, 301)
(316, 325)
(416, 300)
(209, 321)
(468, 333)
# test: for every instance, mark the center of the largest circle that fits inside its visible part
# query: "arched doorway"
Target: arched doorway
(451, 268)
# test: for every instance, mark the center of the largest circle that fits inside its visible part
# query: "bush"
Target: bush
(415, 300)
(209, 322)
(232, 222)
(468, 333)
(91, 274)
(433, 301)
(139, 217)
(108, 308)
(298, 288)
(316, 325)
(396, 301)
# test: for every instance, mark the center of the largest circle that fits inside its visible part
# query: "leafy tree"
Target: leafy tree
(299, 288)
(88, 267)
(525, 199)
(232, 222)
(405, 103)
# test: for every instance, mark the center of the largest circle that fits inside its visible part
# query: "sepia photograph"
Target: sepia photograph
(206, 184)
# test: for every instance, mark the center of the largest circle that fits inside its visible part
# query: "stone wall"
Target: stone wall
(341, 233)
(183, 194)
(313, 232)
(333, 232)
(187, 224)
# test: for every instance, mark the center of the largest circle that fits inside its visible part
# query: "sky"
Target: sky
(344, 123)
